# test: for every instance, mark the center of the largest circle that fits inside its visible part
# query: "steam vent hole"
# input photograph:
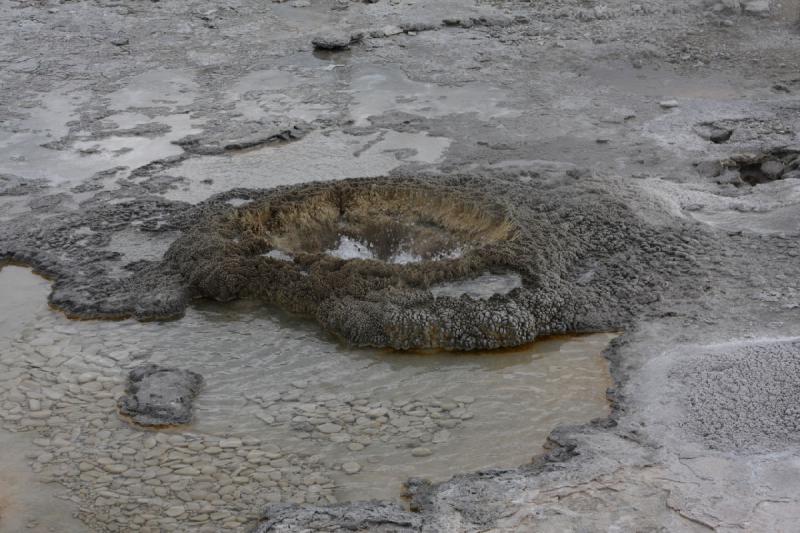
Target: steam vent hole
(396, 226)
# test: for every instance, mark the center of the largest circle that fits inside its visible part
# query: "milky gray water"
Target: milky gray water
(385, 415)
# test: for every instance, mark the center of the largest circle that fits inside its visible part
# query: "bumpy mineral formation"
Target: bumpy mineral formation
(584, 260)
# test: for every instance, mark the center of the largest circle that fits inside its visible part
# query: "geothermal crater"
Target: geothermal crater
(373, 261)
(410, 263)
(393, 225)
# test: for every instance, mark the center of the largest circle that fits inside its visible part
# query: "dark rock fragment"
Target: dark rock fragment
(159, 396)
(223, 138)
(418, 25)
(333, 40)
(714, 133)
(720, 136)
(357, 516)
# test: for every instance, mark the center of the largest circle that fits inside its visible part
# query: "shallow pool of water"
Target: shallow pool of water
(385, 415)
(27, 501)
(316, 157)
(377, 89)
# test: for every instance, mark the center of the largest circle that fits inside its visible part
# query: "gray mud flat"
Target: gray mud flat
(646, 155)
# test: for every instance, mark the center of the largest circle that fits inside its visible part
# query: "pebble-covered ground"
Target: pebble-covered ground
(357, 421)
(118, 475)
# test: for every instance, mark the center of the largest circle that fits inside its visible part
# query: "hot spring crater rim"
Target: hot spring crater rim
(586, 262)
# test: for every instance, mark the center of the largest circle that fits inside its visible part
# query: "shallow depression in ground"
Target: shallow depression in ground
(386, 415)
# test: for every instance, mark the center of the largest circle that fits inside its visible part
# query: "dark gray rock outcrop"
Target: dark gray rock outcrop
(158, 396)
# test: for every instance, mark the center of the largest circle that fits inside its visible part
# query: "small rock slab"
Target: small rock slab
(713, 133)
(354, 516)
(334, 40)
(757, 7)
(351, 468)
(159, 396)
(330, 428)
(230, 443)
(390, 30)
